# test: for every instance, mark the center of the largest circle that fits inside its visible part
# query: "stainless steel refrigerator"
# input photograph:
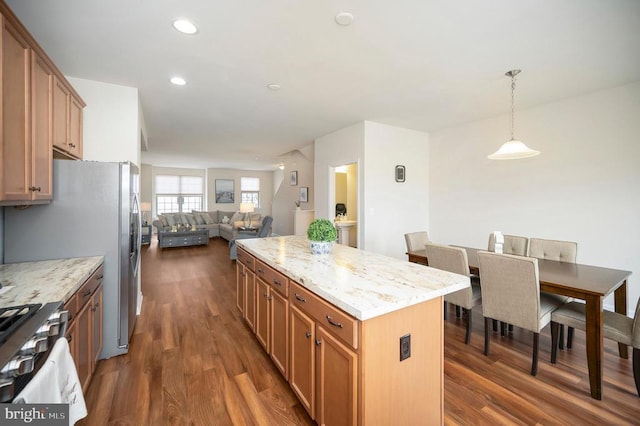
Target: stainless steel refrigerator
(94, 211)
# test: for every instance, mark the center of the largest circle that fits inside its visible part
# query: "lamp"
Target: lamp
(145, 207)
(513, 149)
(247, 209)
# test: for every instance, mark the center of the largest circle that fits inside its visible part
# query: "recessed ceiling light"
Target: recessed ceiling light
(344, 18)
(274, 86)
(178, 81)
(185, 26)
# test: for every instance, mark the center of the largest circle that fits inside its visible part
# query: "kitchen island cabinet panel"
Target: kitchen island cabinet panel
(302, 375)
(279, 324)
(347, 314)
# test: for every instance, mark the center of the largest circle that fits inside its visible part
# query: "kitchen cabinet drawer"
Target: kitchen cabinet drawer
(89, 287)
(331, 318)
(246, 259)
(274, 278)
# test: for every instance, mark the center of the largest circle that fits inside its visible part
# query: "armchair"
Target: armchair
(263, 231)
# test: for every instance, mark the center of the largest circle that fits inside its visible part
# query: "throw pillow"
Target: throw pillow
(198, 218)
(171, 221)
(237, 216)
(191, 219)
(207, 218)
(184, 220)
(163, 219)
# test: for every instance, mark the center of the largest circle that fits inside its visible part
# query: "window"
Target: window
(250, 191)
(178, 194)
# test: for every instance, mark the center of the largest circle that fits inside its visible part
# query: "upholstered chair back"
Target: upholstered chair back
(265, 228)
(416, 240)
(452, 259)
(512, 244)
(564, 251)
(635, 329)
(510, 289)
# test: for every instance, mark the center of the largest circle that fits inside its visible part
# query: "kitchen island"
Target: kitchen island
(358, 335)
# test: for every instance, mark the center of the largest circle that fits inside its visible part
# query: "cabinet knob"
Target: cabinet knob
(318, 341)
(308, 334)
(35, 189)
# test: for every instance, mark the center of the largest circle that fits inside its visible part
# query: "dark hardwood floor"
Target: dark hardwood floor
(192, 361)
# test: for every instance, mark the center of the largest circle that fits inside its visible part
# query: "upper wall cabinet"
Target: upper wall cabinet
(40, 115)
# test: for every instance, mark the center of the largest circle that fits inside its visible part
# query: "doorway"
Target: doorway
(345, 202)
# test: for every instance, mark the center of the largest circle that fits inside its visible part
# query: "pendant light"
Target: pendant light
(513, 149)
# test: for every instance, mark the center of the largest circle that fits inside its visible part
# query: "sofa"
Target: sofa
(219, 223)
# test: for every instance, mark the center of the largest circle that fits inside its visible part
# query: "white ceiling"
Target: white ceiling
(420, 64)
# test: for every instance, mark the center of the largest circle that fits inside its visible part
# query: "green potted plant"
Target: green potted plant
(321, 234)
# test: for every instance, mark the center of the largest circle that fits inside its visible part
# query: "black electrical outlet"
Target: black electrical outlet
(405, 347)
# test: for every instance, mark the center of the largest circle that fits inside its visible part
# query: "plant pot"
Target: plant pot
(321, 247)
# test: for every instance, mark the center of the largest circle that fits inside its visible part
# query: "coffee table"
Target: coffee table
(183, 238)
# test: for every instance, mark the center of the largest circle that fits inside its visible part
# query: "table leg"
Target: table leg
(595, 352)
(620, 298)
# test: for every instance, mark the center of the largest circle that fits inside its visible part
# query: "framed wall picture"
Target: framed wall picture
(304, 194)
(224, 191)
(400, 173)
(293, 179)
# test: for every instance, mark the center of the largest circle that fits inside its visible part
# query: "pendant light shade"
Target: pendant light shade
(513, 149)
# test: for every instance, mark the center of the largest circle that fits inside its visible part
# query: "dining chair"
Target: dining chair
(617, 327)
(563, 251)
(263, 232)
(416, 240)
(454, 259)
(512, 244)
(511, 294)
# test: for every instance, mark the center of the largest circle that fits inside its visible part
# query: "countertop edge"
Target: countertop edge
(351, 310)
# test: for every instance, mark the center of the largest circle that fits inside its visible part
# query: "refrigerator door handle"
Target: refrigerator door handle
(138, 243)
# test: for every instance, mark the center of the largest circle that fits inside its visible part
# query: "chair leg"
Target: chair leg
(636, 368)
(569, 337)
(457, 311)
(510, 328)
(503, 328)
(467, 338)
(495, 325)
(486, 335)
(445, 311)
(561, 338)
(534, 361)
(554, 342)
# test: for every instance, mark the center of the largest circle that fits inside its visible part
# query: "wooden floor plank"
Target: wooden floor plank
(193, 360)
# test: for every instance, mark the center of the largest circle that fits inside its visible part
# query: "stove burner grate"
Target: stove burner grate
(13, 317)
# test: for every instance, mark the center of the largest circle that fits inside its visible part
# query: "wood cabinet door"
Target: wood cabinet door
(279, 325)
(96, 327)
(336, 381)
(15, 155)
(83, 321)
(250, 298)
(302, 374)
(75, 127)
(262, 313)
(60, 115)
(41, 129)
(240, 279)
(72, 337)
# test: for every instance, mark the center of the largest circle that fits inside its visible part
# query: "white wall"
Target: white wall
(584, 187)
(341, 147)
(111, 121)
(286, 194)
(386, 209)
(392, 208)
(266, 189)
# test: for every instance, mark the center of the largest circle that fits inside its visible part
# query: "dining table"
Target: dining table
(586, 282)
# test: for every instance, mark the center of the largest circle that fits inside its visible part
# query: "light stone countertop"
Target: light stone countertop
(44, 281)
(361, 283)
